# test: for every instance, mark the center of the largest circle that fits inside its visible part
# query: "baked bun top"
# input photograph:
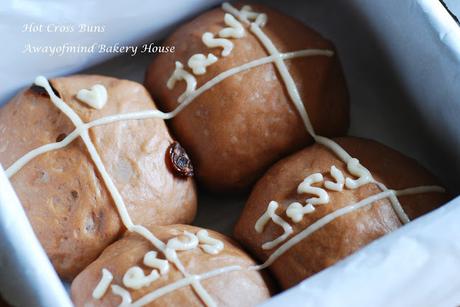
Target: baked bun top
(332, 229)
(63, 192)
(230, 287)
(237, 128)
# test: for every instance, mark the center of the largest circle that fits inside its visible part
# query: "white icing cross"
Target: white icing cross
(323, 221)
(181, 74)
(96, 97)
(118, 200)
(210, 41)
(209, 245)
(235, 29)
(198, 62)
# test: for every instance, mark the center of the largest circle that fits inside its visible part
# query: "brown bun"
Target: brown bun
(237, 288)
(347, 233)
(63, 194)
(238, 128)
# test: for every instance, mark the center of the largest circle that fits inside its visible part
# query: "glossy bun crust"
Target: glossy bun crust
(238, 128)
(237, 288)
(347, 233)
(63, 194)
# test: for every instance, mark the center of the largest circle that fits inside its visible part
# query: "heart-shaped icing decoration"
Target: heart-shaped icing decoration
(96, 97)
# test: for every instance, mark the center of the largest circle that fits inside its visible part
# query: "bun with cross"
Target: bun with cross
(62, 190)
(241, 118)
(207, 256)
(311, 196)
